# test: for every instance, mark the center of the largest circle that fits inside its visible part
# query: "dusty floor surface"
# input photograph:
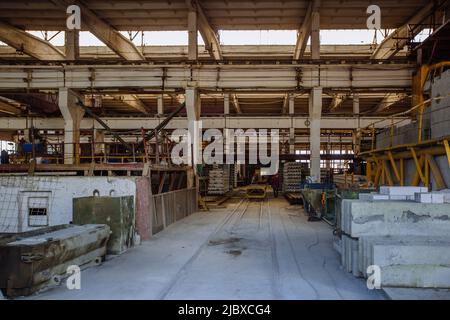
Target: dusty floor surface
(251, 250)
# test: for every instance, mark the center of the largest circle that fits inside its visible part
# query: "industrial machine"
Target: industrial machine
(256, 191)
(318, 200)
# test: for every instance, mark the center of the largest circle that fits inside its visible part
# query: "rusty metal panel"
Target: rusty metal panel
(32, 260)
(144, 208)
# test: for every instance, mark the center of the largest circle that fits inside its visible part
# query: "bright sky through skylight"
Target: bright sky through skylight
(263, 37)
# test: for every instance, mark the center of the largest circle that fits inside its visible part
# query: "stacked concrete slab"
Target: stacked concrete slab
(409, 241)
(292, 176)
(219, 180)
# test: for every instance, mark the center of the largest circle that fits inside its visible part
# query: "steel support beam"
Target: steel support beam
(304, 31)
(337, 101)
(267, 77)
(389, 100)
(440, 182)
(206, 31)
(232, 122)
(6, 106)
(134, 102)
(27, 43)
(105, 33)
(285, 108)
(236, 103)
(399, 38)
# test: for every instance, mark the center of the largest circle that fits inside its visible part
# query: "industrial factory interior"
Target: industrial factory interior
(255, 150)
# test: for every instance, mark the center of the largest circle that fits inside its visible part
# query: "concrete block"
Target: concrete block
(416, 276)
(446, 193)
(402, 191)
(401, 252)
(364, 218)
(373, 197)
(437, 197)
(425, 265)
(398, 198)
(429, 197)
(422, 197)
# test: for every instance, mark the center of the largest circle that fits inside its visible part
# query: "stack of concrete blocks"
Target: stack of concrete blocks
(233, 175)
(219, 180)
(409, 241)
(417, 194)
(292, 176)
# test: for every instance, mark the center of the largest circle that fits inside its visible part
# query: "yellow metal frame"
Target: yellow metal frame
(385, 165)
(447, 150)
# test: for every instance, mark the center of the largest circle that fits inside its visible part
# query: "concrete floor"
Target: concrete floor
(251, 250)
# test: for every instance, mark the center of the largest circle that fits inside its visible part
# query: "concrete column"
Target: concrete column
(356, 133)
(291, 104)
(315, 113)
(72, 115)
(291, 129)
(160, 105)
(226, 104)
(99, 140)
(192, 35)
(291, 140)
(315, 35)
(72, 44)
(356, 104)
(193, 110)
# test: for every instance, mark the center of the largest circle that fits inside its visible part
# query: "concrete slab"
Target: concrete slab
(422, 197)
(401, 191)
(416, 276)
(363, 218)
(409, 250)
(446, 193)
(373, 197)
(268, 252)
(417, 293)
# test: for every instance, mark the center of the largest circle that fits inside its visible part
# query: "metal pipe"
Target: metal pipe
(104, 125)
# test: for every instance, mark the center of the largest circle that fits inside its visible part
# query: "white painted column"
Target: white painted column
(160, 105)
(72, 115)
(99, 140)
(72, 44)
(192, 35)
(356, 133)
(291, 129)
(193, 109)
(315, 35)
(226, 104)
(315, 113)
